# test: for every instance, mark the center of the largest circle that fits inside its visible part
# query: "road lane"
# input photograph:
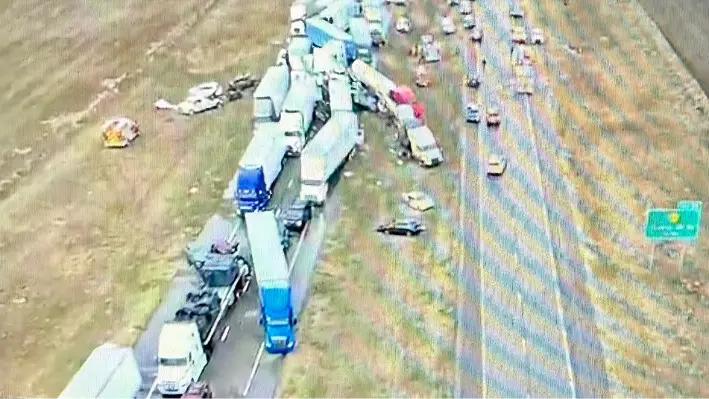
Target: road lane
(586, 351)
(517, 203)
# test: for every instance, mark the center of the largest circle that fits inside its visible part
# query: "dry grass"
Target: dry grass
(628, 115)
(89, 237)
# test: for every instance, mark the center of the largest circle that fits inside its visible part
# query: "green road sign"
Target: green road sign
(691, 205)
(673, 224)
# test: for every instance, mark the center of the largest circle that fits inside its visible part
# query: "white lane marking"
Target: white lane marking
(278, 211)
(234, 231)
(225, 333)
(152, 389)
(290, 183)
(297, 248)
(547, 229)
(481, 263)
(252, 313)
(257, 361)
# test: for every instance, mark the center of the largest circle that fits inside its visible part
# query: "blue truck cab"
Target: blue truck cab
(259, 167)
(277, 317)
(251, 189)
(273, 278)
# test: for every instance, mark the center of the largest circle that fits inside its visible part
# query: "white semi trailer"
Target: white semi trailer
(298, 111)
(324, 155)
(110, 371)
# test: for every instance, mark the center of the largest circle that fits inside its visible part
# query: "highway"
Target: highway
(524, 236)
(239, 367)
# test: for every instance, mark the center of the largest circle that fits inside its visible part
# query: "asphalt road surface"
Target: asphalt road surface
(519, 335)
(239, 337)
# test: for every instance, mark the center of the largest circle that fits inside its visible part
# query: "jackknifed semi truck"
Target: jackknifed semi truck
(259, 167)
(376, 83)
(270, 94)
(326, 153)
(273, 279)
(339, 89)
(298, 111)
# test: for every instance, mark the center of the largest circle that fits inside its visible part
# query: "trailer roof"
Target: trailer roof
(330, 29)
(259, 146)
(271, 78)
(96, 371)
(265, 242)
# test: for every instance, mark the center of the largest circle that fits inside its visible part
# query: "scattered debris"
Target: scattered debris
(22, 151)
(194, 105)
(418, 200)
(348, 174)
(19, 300)
(194, 190)
(163, 104)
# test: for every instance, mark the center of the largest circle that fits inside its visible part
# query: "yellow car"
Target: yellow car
(418, 201)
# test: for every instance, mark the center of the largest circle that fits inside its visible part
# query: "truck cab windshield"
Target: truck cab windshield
(428, 147)
(164, 361)
(247, 194)
(311, 182)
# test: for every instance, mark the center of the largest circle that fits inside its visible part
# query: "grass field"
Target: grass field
(631, 117)
(89, 236)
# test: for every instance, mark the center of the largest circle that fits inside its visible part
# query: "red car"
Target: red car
(198, 390)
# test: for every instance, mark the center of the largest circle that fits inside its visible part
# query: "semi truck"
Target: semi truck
(359, 30)
(321, 32)
(185, 343)
(270, 94)
(379, 21)
(301, 10)
(299, 47)
(259, 168)
(298, 111)
(110, 371)
(273, 278)
(376, 83)
(340, 92)
(338, 14)
(326, 153)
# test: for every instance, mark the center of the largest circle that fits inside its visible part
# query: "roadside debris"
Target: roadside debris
(119, 132)
(418, 201)
(163, 104)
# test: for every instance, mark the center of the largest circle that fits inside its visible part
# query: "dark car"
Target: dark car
(406, 227)
(198, 390)
(473, 81)
(297, 216)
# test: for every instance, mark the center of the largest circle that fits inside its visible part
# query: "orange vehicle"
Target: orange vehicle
(119, 132)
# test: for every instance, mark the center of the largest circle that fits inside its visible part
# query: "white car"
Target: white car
(206, 90)
(194, 105)
(418, 201)
(465, 7)
(426, 40)
(496, 165)
(537, 36)
(447, 26)
(403, 25)
(468, 22)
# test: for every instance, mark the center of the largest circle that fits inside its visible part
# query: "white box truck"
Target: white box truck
(298, 111)
(270, 94)
(110, 371)
(324, 155)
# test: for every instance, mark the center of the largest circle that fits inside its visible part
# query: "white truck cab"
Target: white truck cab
(181, 357)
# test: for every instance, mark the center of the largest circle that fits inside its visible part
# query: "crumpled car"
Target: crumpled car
(418, 201)
(194, 105)
(206, 90)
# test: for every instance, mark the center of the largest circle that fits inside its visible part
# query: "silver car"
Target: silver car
(447, 25)
(465, 7)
